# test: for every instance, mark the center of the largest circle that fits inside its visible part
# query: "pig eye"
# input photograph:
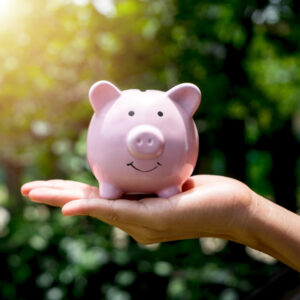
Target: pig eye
(131, 113)
(160, 113)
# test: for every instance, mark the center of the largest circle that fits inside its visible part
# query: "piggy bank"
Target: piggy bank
(142, 141)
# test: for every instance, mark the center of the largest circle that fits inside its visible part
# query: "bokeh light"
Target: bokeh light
(244, 56)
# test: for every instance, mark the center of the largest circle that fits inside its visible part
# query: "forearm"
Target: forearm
(274, 230)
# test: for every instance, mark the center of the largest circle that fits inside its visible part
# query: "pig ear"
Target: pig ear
(101, 93)
(186, 95)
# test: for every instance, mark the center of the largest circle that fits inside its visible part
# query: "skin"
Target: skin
(209, 206)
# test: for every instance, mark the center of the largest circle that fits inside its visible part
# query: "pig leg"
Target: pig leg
(169, 191)
(109, 191)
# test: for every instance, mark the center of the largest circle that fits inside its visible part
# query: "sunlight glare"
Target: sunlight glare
(5, 8)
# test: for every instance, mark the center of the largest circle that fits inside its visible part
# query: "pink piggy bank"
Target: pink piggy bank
(142, 142)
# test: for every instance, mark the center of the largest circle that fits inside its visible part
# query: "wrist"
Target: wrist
(272, 229)
(245, 229)
(256, 211)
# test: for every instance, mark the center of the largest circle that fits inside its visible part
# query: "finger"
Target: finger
(56, 197)
(147, 212)
(135, 228)
(206, 179)
(114, 212)
(198, 180)
(55, 184)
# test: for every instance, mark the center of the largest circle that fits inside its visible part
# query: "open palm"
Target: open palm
(208, 206)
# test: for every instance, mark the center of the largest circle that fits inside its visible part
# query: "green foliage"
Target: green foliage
(244, 55)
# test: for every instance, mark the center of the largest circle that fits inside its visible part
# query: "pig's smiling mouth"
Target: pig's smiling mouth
(134, 167)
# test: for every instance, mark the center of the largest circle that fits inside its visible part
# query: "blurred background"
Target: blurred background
(244, 56)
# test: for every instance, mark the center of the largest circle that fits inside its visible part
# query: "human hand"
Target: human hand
(212, 206)
(209, 205)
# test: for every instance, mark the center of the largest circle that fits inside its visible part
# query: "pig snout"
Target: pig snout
(145, 142)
